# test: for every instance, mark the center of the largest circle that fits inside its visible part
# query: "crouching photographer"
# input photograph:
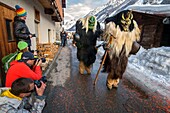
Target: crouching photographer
(26, 67)
(20, 97)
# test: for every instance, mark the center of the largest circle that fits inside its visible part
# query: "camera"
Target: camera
(38, 82)
(33, 35)
(32, 51)
(43, 60)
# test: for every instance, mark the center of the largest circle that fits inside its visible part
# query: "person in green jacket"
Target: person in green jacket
(23, 47)
(6, 60)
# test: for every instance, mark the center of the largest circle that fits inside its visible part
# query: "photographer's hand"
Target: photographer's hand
(38, 62)
(30, 36)
(40, 91)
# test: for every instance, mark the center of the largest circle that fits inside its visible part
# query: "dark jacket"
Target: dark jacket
(63, 35)
(86, 50)
(21, 31)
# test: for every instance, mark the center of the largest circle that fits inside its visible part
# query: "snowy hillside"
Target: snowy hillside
(70, 24)
(113, 7)
(101, 12)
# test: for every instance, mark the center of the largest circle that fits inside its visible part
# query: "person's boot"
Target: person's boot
(88, 69)
(81, 67)
(115, 82)
(110, 83)
(109, 86)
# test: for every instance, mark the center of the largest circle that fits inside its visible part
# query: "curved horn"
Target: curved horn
(123, 17)
(131, 16)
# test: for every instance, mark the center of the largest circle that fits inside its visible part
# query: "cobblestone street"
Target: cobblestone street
(69, 92)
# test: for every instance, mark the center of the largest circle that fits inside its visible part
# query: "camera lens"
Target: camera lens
(43, 60)
(37, 83)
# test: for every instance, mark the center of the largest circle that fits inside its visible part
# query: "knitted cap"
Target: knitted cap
(22, 45)
(20, 11)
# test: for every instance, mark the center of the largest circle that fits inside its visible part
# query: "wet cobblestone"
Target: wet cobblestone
(69, 92)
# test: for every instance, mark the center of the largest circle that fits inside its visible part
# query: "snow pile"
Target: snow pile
(151, 68)
(156, 60)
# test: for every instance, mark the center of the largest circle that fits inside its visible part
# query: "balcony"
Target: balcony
(53, 8)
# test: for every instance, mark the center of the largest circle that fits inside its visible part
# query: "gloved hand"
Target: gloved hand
(106, 47)
(76, 37)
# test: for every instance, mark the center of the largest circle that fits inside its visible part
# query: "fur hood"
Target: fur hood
(116, 38)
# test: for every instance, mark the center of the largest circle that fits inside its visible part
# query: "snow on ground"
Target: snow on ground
(150, 69)
(155, 60)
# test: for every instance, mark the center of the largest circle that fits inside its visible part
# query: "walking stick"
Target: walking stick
(96, 78)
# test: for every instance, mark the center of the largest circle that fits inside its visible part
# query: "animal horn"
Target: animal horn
(131, 16)
(123, 17)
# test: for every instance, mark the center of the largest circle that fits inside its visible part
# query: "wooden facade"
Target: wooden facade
(153, 32)
(7, 40)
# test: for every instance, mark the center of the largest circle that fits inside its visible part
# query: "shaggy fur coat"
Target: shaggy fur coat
(86, 50)
(120, 39)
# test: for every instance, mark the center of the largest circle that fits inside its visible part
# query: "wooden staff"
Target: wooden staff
(96, 78)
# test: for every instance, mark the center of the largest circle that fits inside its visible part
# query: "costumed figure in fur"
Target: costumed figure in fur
(87, 32)
(121, 33)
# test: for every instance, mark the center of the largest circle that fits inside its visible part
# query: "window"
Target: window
(37, 22)
(9, 30)
(49, 35)
(37, 15)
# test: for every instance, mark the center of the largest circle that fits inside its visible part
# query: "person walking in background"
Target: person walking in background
(26, 67)
(87, 32)
(73, 38)
(63, 36)
(20, 97)
(21, 31)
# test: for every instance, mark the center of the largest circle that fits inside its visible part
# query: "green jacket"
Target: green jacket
(6, 60)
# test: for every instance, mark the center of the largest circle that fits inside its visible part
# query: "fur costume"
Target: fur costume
(121, 31)
(86, 51)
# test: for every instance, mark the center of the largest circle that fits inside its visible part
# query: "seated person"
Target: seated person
(18, 99)
(23, 47)
(26, 67)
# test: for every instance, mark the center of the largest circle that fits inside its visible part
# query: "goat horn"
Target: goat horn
(123, 17)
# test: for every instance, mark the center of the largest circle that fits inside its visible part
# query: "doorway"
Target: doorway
(7, 40)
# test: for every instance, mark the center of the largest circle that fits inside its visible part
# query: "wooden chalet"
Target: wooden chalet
(154, 23)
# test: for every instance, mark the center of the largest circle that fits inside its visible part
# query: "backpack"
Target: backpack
(6, 60)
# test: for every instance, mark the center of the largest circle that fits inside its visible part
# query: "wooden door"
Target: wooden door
(7, 40)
